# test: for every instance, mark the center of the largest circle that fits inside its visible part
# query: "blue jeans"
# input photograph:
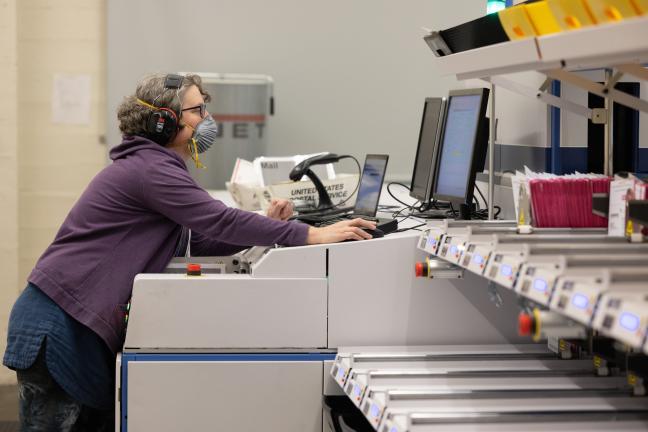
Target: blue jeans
(45, 407)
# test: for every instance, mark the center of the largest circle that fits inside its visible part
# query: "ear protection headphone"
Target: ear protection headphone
(163, 123)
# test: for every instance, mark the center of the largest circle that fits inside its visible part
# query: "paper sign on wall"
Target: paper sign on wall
(71, 99)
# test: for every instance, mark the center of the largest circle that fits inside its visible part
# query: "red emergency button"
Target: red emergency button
(421, 269)
(194, 270)
(525, 324)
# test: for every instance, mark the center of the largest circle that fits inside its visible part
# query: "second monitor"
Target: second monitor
(427, 149)
(462, 149)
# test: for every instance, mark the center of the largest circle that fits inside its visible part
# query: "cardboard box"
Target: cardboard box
(252, 197)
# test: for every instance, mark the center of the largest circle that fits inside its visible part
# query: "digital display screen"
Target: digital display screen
(453, 249)
(506, 270)
(371, 183)
(540, 285)
(375, 411)
(357, 390)
(478, 259)
(431, 242)
(425, 154)
(580, 301)
(629, 321)
(455, 160)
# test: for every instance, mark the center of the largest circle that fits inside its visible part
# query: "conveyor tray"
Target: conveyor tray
(344, 359)
(565, 422)
(383, 382)
(503, 409)
(378, 399)
(476, 365)
(356, 381)
(505, 405)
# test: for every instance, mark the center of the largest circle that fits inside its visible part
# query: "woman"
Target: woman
(133, 217)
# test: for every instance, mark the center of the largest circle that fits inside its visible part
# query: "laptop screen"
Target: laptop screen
(373, 175)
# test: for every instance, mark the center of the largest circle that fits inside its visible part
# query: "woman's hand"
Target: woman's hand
(345, 230)
(280, 209)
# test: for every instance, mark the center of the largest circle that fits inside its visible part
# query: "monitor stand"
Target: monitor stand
(465, 210)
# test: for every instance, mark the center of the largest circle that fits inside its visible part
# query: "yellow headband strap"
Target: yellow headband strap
(146, 104)
(153, 107)
(193, 150)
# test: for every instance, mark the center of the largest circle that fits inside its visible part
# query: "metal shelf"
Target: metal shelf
(599, 46)
(622, 47)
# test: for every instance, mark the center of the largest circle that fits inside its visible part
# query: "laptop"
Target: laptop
(369, 190)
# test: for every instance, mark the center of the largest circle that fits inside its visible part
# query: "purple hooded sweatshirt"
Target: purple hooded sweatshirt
(129, 220)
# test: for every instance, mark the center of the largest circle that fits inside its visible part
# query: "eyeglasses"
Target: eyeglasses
(202, 107)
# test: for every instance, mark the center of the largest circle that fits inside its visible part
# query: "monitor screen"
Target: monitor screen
(460, 145)
(373, 175)
(426, 152)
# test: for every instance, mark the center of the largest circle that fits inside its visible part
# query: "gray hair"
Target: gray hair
(133, 116)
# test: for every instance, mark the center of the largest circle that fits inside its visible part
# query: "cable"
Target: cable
(394, 197)
(384, 207)
(481, 195)
(415, 227)
(498, 208)
(452, 209)
(319, 210)
(410, 207)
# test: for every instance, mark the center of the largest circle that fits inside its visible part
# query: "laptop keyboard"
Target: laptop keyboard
(340, 218)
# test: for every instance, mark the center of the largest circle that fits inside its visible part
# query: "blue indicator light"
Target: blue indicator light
(478, 259)
(340, 373)
(506, 270)
(453, 249)
(393, 429)
(629, 321)
(356, 390)
(540, 285)
(580, 301)
(375, 411)
(431, 242)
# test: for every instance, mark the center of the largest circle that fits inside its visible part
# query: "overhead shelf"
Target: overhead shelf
(599, 46)
(503, 58)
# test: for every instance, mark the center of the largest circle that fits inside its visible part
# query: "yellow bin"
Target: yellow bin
(543, 20)
(571, 14)
(516, 23)
(641, 6)
(605, 11)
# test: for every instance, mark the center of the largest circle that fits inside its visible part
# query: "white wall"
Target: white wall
(522, 121)
(44, 167)
(350, 76)
(8, 172)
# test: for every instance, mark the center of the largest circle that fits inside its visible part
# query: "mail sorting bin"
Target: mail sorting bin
(342, 415)
(241, 105)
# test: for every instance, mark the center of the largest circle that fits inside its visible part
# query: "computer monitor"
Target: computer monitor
(427, 150)
(373, 175)
(463, 146)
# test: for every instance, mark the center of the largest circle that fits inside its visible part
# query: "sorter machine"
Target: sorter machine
(588, 315)
(249, 343)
